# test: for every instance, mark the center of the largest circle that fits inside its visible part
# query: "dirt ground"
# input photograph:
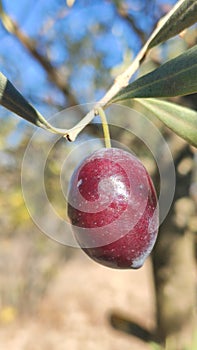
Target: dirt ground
(75, 310)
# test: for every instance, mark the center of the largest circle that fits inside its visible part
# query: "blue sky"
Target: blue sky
(96, 23)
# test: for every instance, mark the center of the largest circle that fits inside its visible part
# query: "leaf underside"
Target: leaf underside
(181, 120)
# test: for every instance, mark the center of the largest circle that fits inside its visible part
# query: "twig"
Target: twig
(123, 79)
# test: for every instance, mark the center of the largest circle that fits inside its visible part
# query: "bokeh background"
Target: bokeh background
(60, 54)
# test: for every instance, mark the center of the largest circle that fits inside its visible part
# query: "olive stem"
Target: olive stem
(105, 126)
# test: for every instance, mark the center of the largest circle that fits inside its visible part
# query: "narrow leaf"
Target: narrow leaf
(181, 120)
(182, 16)
(11, 99)
(175, 77)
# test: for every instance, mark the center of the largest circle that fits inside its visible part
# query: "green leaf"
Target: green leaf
(181, 120)
(182, 16)
(12, 99)
(175, 77)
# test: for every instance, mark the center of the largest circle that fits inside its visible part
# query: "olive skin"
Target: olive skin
(113, 209)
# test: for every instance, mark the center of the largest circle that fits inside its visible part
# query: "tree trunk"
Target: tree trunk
(175, 268)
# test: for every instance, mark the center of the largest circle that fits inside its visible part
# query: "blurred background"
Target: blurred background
(60, 54)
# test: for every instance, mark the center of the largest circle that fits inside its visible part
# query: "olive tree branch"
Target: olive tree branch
(122, 12)
(123, 79)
